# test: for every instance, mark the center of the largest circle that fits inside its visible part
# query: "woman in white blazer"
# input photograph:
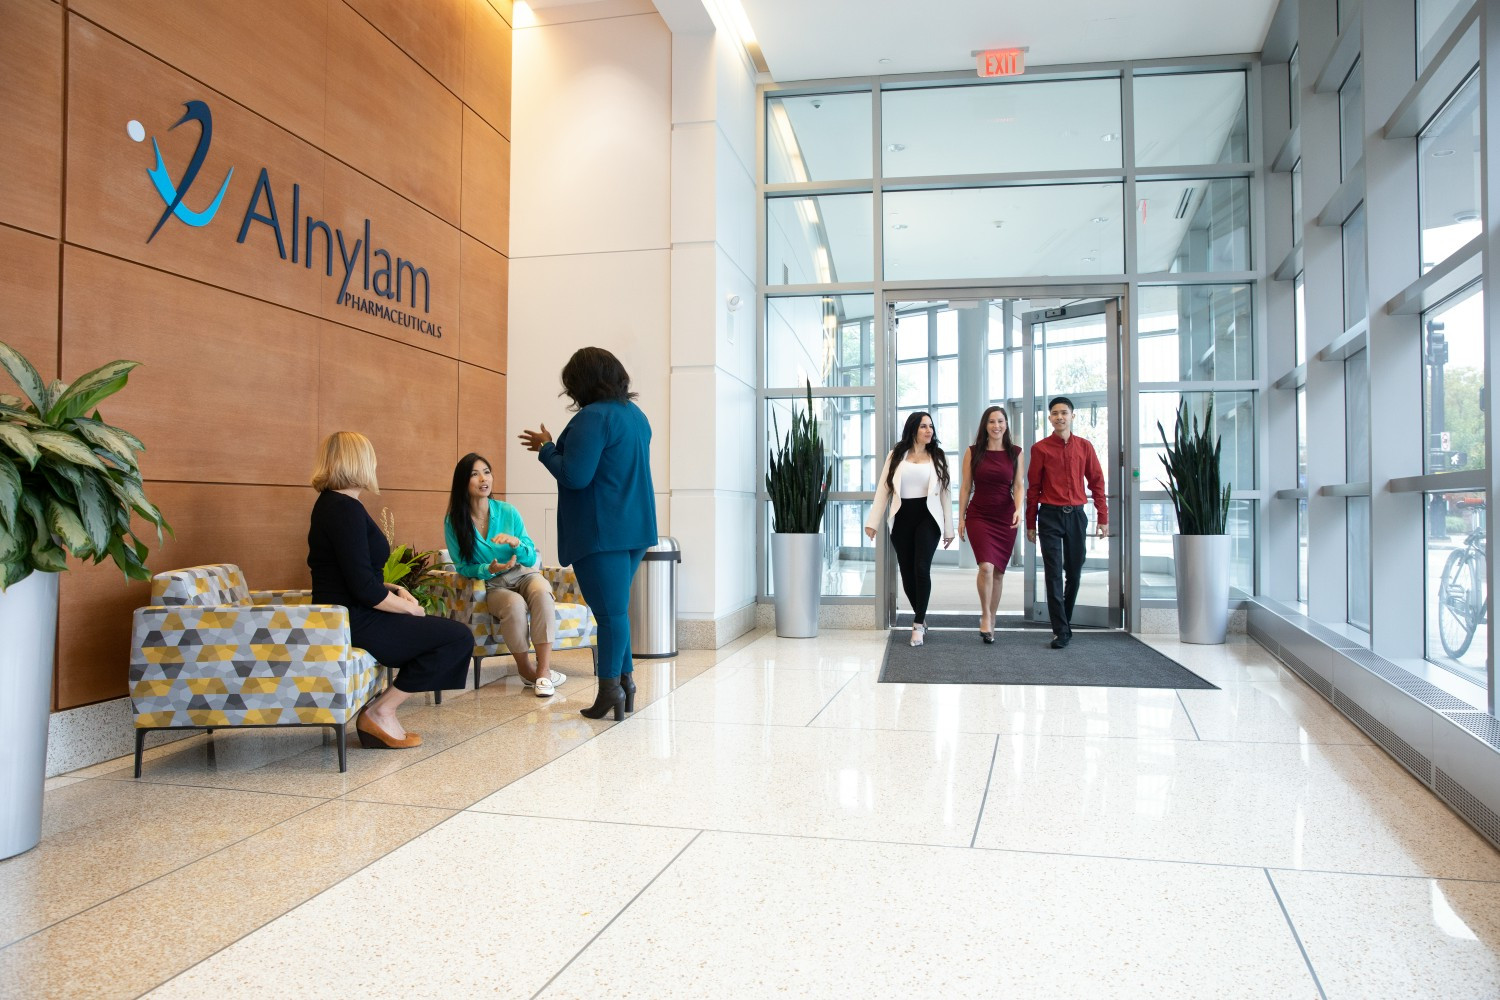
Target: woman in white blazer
(914, 483)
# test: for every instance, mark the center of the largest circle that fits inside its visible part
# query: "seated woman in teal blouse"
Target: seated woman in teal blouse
(488, 542)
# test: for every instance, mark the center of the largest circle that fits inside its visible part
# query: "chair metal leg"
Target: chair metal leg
(594, 652)
(477, 661)
(140, 747)
(343, 747)
(437, 697)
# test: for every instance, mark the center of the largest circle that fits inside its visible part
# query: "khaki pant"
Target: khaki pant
(511, 597)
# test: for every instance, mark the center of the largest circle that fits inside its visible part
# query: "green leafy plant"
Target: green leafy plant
(69, 482)
(1193, 477)
(415, 570)
(798, 475)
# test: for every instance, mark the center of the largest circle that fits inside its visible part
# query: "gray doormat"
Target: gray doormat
(1096, 659)
(970, 620)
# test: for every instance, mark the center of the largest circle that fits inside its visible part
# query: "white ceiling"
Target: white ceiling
(820, 39)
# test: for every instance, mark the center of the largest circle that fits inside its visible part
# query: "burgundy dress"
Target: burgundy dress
(992, 507)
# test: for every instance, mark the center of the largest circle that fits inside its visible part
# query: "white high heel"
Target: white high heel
(918, 633)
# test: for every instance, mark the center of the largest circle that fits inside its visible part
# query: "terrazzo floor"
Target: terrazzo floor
(772, 822)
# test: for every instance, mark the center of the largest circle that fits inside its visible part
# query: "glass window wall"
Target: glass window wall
(1356, 271)
(1457, 600)
(1197, 225)
(819, 240)
(1453, 382)
(1234, 422)
(1186, 119)
(825, 340)
(1436, 20)
(1448, 177)
(1352, 119)
(820, 137)
(1189, 333)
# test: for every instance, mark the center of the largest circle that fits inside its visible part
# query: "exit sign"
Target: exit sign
(1001, 62)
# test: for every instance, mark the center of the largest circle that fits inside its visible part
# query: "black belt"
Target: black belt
(1067, 509)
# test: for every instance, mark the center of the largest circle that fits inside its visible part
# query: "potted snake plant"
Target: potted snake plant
(798, 476)
(70, 485)
(1200, 549)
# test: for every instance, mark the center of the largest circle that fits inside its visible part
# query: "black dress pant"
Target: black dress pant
(1060, 534)
(427, 654)
(915, 535)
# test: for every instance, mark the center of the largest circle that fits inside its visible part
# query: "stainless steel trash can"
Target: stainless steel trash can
(653, 601)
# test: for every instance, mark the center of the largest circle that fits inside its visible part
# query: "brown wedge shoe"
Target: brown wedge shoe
(372, 737)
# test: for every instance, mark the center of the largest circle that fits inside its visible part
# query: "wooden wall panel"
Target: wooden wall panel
(404, 231)
(484, 299)
(31, 90)
(403, 399)
(393, 121)
(485, 213)
(112, 206)
(270, 55)
(262, 529)
(487, 67)
(431, 32)
(228, 387)
(481, 419)
(28, 287)
(418, 513)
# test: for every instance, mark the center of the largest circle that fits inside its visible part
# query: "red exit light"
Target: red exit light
(1001, 62)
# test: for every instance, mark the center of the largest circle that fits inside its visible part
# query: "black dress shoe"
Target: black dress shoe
(1060, 641)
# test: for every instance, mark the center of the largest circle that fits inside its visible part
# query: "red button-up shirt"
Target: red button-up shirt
(1056, 475)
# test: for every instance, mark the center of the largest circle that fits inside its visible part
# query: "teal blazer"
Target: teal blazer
(602, 464)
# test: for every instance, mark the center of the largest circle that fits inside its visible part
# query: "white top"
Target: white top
(914, 478)
(888, 501)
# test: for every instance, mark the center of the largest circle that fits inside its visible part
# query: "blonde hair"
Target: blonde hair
(346, 462)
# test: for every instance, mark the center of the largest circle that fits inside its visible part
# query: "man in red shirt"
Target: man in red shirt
(1055, 477)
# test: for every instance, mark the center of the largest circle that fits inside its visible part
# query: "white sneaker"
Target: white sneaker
(557, 679)
(544, 688)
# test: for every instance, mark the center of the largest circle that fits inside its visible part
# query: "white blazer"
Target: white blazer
(937, 499)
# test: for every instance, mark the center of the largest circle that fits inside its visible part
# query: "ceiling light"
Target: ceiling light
(885, 61)
(899, 225)
(1088, 260)
(1109, 137)
(1466, 216)
(896, 147)
(1101, 219)
(1442, 152)
(998, 223)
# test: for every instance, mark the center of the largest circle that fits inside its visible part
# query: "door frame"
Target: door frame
(886, 579)
(1111, 455)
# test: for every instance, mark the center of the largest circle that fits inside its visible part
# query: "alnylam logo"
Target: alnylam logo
(384, 275)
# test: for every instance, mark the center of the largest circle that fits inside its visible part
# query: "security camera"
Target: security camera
(816, 103)
(732, 302)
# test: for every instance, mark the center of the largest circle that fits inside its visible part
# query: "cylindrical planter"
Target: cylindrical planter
(28, 621)
(797, 578)
(1202, 563)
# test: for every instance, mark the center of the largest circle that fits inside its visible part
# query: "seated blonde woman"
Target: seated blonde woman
(488, 542)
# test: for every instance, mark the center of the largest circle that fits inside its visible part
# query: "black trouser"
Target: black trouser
(915, 535)
(1060, 533)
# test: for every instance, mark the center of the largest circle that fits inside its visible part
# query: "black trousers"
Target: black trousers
(427, 654)
(1060, 533)
(915, 536)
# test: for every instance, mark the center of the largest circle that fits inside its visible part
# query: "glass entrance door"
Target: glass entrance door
(1074, 351)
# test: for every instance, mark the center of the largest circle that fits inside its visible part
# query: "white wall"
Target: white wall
(632, 221)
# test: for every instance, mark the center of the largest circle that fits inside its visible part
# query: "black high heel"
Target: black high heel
(987, 637)
(627, 684)
(611, 696)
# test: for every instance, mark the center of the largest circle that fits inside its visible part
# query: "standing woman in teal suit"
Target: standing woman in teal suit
(606, 506)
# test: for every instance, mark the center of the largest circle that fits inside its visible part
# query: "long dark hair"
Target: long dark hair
(909, 438)
(594, 375)
(459, 518)
(982, 439)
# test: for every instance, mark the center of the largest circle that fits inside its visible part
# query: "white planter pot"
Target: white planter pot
(1202, 563)
(797, 579)
(28, 621)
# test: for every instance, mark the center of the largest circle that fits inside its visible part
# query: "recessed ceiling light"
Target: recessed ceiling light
(998, 223)
(1100, 219)
(885, 61)
(1109, 137)
(1467, 216)
(1442, 152)
(896, 147)
(1088, 260)
(899, 225)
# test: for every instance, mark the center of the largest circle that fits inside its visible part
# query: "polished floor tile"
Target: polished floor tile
(995, 708)
(915, 787)
(478, 906)
(1397, 938)
(102, 838)
(1335, 808)
(1279, 711)
(756, 916)
(1238, 659)
(753, 695)
(133, 941)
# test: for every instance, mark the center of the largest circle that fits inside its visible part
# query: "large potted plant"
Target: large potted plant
(1201, 546)
(798, 476)
(69, 485)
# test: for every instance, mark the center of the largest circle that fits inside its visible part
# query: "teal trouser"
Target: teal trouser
(605, 578)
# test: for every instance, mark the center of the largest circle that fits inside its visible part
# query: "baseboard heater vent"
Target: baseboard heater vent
(1414, 760)
(1485, 819)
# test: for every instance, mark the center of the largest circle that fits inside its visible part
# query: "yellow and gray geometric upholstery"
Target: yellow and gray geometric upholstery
(208, 654)
(464, 597)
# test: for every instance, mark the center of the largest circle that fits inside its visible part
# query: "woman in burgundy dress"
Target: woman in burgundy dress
(989, 508)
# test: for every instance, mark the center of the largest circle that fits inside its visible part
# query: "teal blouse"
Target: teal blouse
(504, 519)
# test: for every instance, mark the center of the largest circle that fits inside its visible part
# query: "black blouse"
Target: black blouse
(346, 552)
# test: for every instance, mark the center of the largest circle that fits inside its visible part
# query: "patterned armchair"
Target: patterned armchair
(576, 626)
(208, 654)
